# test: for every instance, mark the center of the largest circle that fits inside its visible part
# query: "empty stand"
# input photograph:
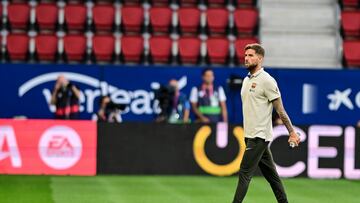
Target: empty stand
(46, 47)
(160, 49)
(17, 46)
(103, 47)
(189, 50)
(75, 17)
(160, 19)
(132, 18)
(189, 20)
(352, 53)
(246, 20)
(132, 48)
(350, 21)
(350, 4)
(217, 50)
(47, 16)
(75, 47)
(217, 20)
(104, 17)
(19, 15)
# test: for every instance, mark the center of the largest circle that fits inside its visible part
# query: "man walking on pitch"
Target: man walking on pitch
(259, 95)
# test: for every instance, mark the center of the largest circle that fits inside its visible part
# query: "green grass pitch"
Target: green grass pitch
(161, 189)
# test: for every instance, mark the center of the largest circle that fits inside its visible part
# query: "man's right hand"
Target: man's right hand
(205, 119)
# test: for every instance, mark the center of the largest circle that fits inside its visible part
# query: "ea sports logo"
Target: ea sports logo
(60, 147)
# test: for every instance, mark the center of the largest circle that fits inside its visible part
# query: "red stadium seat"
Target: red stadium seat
(217, 50)
(216, 2)
(132, 48)
(189, 49)
(189, 2)
(245, 3)
(104, 17)
(75, 17)
(132, 18)
(217, 20)
(160, 2)
(47, 16)
(246, 20)
(350, 21)
(19, 15)
(352, 53)
(160, 19)
(239, 48)
(75, 47)
(189, 19)
(350, 4)
(46, 47)
(17, 46)
(132, 2)
(103, 47)
(160, 49)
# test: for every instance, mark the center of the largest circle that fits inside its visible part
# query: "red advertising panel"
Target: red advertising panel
(47, 147)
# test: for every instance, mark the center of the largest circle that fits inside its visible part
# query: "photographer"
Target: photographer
(66, 99)
(109, 111)
(174, 105)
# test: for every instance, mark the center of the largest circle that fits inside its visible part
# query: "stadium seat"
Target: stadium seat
(132, 18)
(19, 15)
(215, 3)
(74, 47)
(132, 2)
(104, 17)
(1, 16)
(47, 16)
(103, 47)
(352, 53)
(246, 20)
(46, 47)
(189, 2)
(75, 17)
(132, 48)
(17, 46)
(160, 2)
(217, 20)
(350, 21)
(350, 4)
(245, 3)
(189, 50)
(160, 49)
(160, 19)
(217, 50)
(239, 48)
(189, 20)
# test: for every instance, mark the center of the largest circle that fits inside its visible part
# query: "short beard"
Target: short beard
(251, 66)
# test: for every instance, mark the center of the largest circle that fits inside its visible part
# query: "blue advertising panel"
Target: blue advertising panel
(310, 96)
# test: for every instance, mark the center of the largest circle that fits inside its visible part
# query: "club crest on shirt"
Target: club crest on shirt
(253, 86)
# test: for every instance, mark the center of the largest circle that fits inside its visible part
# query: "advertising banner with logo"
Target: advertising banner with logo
(310, 96)
(326, 151)
(47, 147)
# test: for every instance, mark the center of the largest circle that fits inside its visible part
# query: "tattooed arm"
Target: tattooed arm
(279, 107)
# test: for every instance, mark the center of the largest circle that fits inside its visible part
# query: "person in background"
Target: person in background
(180, 108)
(209, 101)
(65, 97)
(109, 111)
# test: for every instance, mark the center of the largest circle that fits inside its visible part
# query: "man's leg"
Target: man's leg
(268, 169)
(253, 153)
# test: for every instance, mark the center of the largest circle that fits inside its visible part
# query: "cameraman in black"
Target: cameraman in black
(66, 99)
(109, 111)
(174, 105)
